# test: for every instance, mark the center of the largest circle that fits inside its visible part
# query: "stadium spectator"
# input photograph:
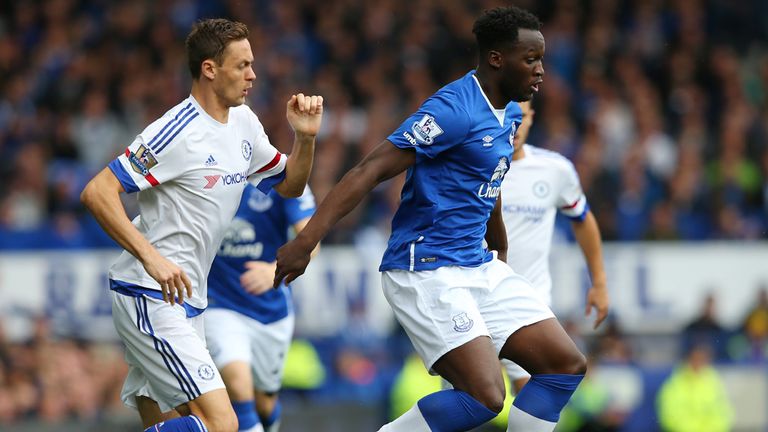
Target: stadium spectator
(693, 397)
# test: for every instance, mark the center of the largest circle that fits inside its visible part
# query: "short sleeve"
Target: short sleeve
(297, 209)
(267, 163)
(141, 167)
(571, 200)
(439, 124)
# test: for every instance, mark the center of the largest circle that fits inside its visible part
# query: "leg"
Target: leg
(438, 311)
(518, 377)
(269, 409)
(237, 378)
(150, 412)
(171, 367)
(525, 331)
(556, 366)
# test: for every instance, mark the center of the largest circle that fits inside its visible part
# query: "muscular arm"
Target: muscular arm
(101, 196)
(297, 167)
(496, 234)
(383, 163)
(304, 114)
(587, 234)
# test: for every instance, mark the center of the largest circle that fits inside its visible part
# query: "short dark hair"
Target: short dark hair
(499, 26)
(208, 40)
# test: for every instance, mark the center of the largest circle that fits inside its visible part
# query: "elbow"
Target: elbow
(289, 191)
(86, 196)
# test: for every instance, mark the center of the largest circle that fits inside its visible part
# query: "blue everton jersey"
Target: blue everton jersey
(260, 227)
(463, 149)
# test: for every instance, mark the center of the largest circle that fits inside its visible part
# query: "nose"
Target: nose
(539, 70)
(251, 75)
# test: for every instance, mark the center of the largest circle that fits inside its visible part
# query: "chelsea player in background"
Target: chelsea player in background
(539, 184)
(249, 325)
(460, 304)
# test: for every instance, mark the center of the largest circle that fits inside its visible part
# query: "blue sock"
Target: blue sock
(544, 396)
(179, 424)
(453, 410)
(273, 417)
(246, 414)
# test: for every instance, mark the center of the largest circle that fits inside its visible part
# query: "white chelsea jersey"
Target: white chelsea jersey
(190, 172)
(534, 188)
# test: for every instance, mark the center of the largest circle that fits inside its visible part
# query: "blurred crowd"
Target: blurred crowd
(662, 105)
(53, 379)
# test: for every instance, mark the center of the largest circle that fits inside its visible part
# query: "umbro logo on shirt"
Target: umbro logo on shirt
(487, 141)
(210, 161)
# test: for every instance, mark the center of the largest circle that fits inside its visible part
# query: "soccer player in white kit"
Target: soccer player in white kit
(462, 307)
(189, 168)
(540, 183)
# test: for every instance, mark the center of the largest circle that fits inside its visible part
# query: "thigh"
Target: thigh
(167, 349)
(472, 367)
(544, 348)
(511, 303)
(228, 336)
(269, 346)
(435, 310)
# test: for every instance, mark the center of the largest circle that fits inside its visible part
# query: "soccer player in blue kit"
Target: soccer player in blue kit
(461, 305)
(248, 325)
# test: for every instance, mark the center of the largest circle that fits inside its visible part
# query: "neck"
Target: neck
(491, 88)
(208, 101)
(518, 154)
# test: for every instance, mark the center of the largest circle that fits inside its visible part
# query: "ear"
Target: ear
(495, 59)
(208, 69)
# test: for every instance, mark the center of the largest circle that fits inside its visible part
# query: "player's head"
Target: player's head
(511, 46)
(219, 53)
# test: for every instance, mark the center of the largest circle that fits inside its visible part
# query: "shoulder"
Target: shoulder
(176, 124)
(549, 157)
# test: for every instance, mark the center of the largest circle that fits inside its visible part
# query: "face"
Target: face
(234, 76)
(522, 67)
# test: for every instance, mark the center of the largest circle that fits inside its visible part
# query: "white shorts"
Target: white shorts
(233, 336)
(445, 308)
(165, 351)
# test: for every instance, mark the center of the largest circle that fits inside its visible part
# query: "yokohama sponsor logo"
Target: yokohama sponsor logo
(212, 180)
(229, 179)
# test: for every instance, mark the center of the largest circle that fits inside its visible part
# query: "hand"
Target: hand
(258, 276)
(292, 261)
(172, 279)
(305, 114)
(597, 296)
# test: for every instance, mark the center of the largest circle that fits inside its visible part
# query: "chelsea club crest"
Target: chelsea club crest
(247, 150)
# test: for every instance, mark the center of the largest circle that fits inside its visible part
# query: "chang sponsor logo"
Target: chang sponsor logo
(239, 241)
(493, 187)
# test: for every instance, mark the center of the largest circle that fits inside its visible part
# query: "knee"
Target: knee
(574, 364)
(491, 397)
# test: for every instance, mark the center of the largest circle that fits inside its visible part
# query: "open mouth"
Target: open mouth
(535, 86)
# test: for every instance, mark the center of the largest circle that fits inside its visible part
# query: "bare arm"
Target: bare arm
(304, 114)
(383, 163)
(587, 234)
(101, 196)
(496, 233)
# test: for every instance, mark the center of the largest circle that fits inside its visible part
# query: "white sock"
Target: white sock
(273, 427)
(410, 421)
(256, 428)
(521, 421)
